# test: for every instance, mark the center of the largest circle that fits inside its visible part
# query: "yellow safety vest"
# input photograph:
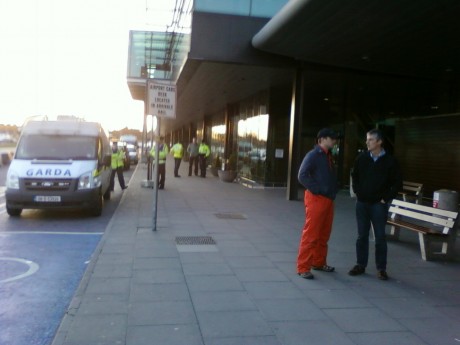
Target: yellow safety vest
(204, 150)
(118, 159)
(163, 153)
(177, 150)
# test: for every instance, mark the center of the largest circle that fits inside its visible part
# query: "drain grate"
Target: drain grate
(230, 215)
(194, 240)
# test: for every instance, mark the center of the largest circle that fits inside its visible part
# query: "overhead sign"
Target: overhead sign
(161, 98)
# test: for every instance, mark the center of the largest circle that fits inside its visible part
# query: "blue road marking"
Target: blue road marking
(32, 307)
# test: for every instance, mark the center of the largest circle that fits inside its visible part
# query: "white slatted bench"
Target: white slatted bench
(412, 191)
(432, 224)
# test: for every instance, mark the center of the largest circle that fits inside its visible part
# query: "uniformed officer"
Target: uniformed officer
(203, 154)
(163, 152)
(118, 158)
(178, 152)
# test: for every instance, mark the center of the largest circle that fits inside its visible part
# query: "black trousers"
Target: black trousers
(193, 160)
(121, 178)
(176, 166)
(202, 159)
(161, 175)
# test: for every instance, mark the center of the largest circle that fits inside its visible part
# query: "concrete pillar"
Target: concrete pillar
(294, 134)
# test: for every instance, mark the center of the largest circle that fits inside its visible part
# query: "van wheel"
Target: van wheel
(107, 194)
(13, 212)
(97, 208)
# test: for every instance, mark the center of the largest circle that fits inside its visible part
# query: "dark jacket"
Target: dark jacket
(374, 181)
(317, 173)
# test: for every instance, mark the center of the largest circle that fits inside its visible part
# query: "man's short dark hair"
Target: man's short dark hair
(377, 133)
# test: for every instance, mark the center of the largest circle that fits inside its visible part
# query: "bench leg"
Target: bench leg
(445, 248)
(424, 246)
(448, 247)
(394, 232)
(426, 249)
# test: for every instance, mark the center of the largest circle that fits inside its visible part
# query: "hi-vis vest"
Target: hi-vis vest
(204, 150)
(177, 150)
(163, 152)
(118, 159)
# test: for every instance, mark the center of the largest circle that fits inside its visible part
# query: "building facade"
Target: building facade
(258, 79)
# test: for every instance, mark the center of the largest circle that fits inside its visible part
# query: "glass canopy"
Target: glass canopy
(160, 52)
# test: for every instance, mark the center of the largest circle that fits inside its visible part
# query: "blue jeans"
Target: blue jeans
(375, 213)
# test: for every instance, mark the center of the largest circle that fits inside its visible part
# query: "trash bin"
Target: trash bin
(445, 199)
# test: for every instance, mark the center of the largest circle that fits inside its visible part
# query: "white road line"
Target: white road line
(49, 233)
(33, 267)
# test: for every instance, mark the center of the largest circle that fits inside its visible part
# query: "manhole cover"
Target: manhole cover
(230, 215)
(194, 240)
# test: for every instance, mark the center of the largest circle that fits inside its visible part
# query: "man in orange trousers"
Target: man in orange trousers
(317, 174)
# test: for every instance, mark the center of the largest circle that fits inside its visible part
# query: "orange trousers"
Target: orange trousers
(319, 213)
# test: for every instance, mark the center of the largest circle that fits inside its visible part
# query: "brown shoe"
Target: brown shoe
(382, 275)
(357, 270)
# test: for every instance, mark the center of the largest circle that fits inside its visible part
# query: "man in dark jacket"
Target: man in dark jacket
(317, 174)
(376, 180)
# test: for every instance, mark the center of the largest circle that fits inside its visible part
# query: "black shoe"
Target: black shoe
(161, 187)
(382, 275)
(324, 268)
(357, 270)
(124, 188)
(306, 275)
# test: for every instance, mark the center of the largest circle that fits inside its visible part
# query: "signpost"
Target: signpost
(161, 97)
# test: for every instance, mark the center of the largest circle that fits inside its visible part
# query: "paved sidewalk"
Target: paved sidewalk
(143, 288)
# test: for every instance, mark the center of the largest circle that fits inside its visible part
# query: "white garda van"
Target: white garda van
(59, 164)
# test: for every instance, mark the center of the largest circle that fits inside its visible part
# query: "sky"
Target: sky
(67, 57)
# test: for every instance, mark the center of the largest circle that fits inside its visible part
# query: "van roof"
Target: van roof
(90, 129)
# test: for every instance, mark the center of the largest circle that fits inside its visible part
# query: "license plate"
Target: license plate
(47, 198)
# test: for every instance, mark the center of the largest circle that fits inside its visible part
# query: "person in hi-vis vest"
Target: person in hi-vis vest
(203, 154)
(178, 152)
(163, 152)
(118, 157)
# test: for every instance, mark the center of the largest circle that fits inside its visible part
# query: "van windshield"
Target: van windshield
(57, 147)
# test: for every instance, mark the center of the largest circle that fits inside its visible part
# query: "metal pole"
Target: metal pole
(149, 158)
(144, 135)
(155, 175)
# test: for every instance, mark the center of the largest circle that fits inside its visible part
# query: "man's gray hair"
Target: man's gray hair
(377, 133)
